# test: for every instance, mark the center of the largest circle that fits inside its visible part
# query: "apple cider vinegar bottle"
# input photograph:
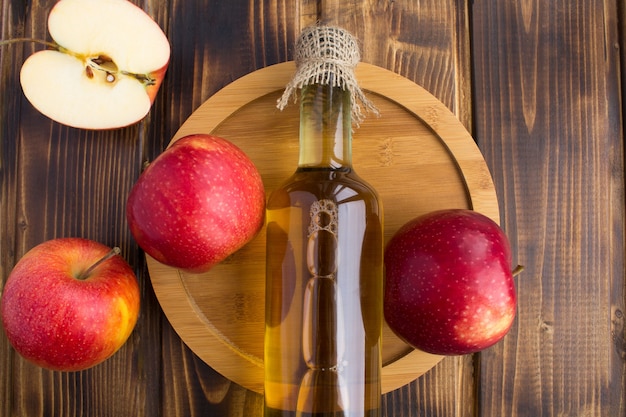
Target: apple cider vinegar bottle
(324, 286)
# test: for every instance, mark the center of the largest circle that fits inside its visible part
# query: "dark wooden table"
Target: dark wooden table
(537, 83)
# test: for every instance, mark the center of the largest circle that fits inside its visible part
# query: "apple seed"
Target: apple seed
(102, 63)
(517, 270)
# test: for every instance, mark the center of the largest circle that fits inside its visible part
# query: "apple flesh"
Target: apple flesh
(198, 202)
(449, 287)
(109, 64)
(69, 304)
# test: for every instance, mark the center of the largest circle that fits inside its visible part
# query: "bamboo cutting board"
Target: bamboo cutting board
(417, 155)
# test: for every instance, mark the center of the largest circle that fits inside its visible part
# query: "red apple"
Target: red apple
(69, 304)
(199, 201)
(449, 287)
(105, 68)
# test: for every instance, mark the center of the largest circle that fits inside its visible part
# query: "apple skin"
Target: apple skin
(449, 287)
(197, 203)
(61, 322)
(157, 77)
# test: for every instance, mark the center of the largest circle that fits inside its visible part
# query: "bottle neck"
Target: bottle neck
(325, 127)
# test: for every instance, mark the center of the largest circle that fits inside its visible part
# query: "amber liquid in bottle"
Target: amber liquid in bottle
(324, 282)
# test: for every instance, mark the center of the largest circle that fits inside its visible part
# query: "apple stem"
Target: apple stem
(112, 253)
(20, 40)
(517, 270)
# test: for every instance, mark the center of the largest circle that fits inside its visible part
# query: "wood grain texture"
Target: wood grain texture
(538, 82)
(11, 25)
(425, 41)
(549, 74)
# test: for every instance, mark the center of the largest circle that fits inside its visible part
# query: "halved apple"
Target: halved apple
(109, 64)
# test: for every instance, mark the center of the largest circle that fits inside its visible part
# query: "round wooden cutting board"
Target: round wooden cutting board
(417, 155)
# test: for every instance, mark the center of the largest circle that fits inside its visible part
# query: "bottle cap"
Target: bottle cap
(328, 55)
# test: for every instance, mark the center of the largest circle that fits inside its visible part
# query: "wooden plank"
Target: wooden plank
(618, 293)
(11, 26)
(548, 120)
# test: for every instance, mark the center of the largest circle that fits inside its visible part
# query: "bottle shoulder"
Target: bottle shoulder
(340, 185)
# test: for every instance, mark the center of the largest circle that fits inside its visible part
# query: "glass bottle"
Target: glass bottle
(324, 286)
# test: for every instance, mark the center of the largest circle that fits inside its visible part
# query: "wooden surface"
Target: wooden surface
(416, 154)
(538, 83)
